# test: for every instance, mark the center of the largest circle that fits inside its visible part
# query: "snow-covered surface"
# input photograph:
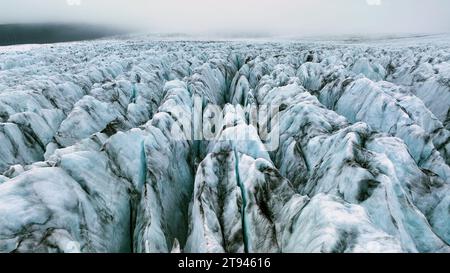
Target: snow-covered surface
(89, 161)
(19, 48)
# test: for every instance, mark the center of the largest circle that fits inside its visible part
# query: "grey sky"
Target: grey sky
(274, 16)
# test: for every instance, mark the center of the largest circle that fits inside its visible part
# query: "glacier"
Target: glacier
(100, 148)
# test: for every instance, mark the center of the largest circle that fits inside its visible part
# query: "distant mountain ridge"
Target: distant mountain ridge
(13, 34)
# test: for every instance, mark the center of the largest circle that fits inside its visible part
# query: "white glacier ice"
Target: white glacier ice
(100, 149)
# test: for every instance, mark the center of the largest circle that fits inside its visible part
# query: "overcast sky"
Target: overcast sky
(267, 16)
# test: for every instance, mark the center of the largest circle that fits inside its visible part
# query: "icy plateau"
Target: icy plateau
(89, 163)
